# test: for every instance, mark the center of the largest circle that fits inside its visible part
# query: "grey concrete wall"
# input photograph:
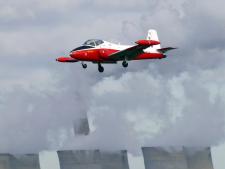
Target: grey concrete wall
(177, 158)
(29, 161)
(198, 158)
(79, 159)
(154, 158)
(49, 160)
(4, 161)
(93, 159)
(164, 158)
(114, 160)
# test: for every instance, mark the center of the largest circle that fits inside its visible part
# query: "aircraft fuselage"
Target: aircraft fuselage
(99, 51)
(102, 52)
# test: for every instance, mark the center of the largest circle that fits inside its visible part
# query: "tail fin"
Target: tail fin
(152, 35)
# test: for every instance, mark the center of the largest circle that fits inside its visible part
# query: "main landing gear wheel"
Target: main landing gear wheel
(100, 68)
(125, 64)
(84, 65)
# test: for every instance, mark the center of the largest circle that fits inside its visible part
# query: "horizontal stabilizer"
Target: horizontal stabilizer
(147, 42)
(164, 50)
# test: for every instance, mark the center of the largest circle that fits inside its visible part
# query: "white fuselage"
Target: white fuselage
(119, 47)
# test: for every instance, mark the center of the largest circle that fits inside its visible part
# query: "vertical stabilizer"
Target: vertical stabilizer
(152, 35)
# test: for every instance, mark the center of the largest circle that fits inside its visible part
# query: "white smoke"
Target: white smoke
(147, 109)
(179, 100)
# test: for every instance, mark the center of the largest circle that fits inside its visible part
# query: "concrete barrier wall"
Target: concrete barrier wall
(49, 160)
(5, 161)
(177, 158)
(198, 158)
(30, 161)
(92, 159)
(79, 159)
(154, 158)
(114, 160)
(164, 158)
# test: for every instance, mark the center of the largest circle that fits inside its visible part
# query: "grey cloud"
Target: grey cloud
(29, 112)
(40, 98)
(183, 110)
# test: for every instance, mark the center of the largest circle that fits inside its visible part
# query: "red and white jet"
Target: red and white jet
(100, 52)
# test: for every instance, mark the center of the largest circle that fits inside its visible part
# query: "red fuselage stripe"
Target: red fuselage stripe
(101, 55)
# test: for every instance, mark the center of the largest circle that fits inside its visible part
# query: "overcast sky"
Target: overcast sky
(176, 101)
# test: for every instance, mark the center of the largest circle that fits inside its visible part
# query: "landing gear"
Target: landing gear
(84, 65)
(100, 68)
(125, 64)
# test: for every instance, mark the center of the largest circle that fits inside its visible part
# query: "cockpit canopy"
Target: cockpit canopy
(93, 42)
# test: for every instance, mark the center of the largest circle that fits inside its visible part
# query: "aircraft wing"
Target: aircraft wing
(132, 52)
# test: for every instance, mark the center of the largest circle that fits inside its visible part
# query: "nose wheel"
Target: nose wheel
(125, 64)
(100, 68)
(84, 65)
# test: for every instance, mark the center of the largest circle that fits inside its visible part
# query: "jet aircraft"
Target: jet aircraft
(101, 52)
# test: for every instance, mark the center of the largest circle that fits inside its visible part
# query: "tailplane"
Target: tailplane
(164, 50)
